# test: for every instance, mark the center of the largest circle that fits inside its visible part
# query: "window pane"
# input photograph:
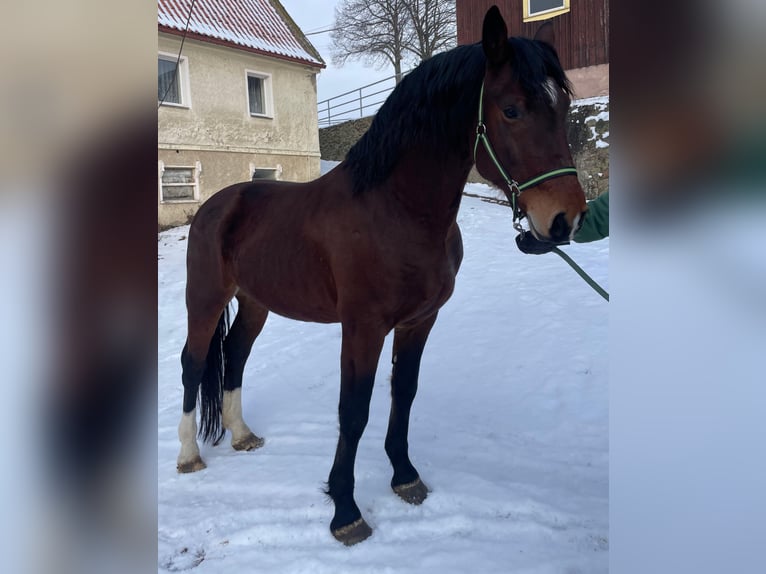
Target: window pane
(178, 192)
(167, 82)
(255, 95)
(266, 173)
(178, 175)
(536, 6)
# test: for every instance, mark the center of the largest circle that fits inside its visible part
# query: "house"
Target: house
(581, 28)
(242, 105)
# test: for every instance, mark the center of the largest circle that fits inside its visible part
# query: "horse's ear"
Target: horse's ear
(546, 34)
(494, 37)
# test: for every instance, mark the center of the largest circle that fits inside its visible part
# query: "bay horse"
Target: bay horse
(374, 244)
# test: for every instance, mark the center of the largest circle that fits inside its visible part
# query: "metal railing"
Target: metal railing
(355, 104)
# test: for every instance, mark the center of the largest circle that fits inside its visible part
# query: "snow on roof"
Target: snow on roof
(251, 24)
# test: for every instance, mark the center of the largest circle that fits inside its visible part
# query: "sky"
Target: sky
(314, 15)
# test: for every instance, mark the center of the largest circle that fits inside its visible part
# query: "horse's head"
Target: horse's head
(522, 115)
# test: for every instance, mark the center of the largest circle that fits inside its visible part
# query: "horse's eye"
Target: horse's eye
(511, 113)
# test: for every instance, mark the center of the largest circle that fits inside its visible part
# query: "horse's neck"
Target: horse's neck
(431, 188)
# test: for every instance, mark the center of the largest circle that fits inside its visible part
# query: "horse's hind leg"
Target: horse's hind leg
(408, 349)
(202, 358)
(189, 459)
(247, 326)
(205, 330)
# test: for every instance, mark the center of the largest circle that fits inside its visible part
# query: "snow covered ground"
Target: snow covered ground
(509, 430)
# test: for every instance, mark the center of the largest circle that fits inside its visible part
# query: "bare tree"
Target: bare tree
(433, 26)
(392, 31)
(374, 31)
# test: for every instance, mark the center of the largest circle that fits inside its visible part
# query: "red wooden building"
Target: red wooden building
(581, 27)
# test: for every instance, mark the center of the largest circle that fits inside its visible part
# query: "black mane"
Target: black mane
(436, 104)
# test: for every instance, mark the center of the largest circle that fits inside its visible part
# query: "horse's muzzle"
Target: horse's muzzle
(528, 243)
(560, 230)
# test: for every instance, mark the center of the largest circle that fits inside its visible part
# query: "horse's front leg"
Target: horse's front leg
(408, 349)
(359, 359)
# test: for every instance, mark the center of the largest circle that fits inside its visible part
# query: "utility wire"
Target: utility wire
(178, 60)
(320, 31)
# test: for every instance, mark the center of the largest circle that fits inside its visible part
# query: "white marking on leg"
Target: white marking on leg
(232, 416)
(187, 434)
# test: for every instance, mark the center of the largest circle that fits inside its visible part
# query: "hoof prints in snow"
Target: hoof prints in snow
(185, 559)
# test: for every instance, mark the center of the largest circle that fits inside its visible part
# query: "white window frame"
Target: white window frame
(183, 79)
(197, 167)
(268, 100)
(529, 16)
(277, 171)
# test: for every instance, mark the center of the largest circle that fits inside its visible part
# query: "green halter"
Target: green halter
(515, 187)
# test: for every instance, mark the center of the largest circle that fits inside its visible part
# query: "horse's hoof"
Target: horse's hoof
(250, 442)
(414, 492)
(193, 465)
(353, 533)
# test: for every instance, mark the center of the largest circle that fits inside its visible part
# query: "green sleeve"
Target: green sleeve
(596, 224)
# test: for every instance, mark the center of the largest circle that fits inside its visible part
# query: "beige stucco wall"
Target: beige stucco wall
(218, 131)
(590, 82)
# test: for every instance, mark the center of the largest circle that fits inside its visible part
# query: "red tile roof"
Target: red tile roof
(261, 26)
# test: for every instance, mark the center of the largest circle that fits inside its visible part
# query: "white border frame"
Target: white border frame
(183, 80)
(545, 14)
(268, 99)
(197, 167)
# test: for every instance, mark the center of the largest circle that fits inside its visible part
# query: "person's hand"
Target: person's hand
(527, 243)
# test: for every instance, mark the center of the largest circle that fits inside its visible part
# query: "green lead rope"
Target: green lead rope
(587, 278)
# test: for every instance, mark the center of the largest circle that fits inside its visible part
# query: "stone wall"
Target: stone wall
(588, 135)
(335, 141)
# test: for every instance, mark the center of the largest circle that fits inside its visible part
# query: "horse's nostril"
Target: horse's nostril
(560, 228)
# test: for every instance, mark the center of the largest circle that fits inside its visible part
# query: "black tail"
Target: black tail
(211, 389)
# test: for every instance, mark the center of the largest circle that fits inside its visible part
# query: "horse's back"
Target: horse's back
(307, 251)
(239, 211)
(223, 208)
(262, 238)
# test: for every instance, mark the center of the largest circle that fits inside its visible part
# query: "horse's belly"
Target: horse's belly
(309, 314)
(294, 305)
(298, 290)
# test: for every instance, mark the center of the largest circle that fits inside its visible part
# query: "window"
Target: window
(172, 87)
(543, 9)
(267, 173)
(179, 183)
(259, 94)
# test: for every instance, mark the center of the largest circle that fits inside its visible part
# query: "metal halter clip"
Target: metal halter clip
(513, 185)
